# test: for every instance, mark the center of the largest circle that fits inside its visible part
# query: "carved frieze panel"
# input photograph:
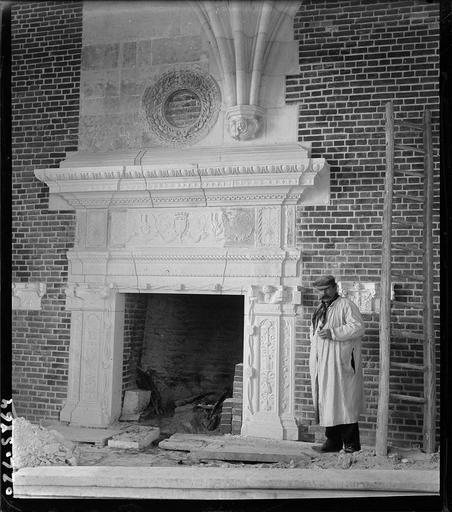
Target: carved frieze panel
(268, 226)
(289, 226)
(85, 297)
(239, 226)
(365, 295)
(175, 227)
(269, 294)
(96, 228)
(27, 296)
(118, 228)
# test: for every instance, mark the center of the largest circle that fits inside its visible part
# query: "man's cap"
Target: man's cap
(324, 282)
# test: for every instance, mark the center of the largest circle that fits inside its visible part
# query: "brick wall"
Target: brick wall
(355, 55)
(46, 53)
(134, 324)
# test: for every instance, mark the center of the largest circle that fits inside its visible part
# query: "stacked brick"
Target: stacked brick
(231, 413)
(134, 324)
(356, 55)
(46, 52)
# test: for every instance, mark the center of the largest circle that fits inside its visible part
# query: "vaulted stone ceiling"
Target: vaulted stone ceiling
(248, 40)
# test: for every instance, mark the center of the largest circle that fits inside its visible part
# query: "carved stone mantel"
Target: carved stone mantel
(218, 221)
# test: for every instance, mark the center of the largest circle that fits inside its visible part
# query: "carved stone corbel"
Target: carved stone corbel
(244, 121)
(27, 296)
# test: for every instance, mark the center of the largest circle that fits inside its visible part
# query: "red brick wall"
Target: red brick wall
(46, 52)
(355, 55)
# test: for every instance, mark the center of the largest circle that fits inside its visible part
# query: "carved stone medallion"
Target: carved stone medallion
(181, 107)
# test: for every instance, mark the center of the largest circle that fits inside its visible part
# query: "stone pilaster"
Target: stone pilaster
(95, 355)
(269, 358)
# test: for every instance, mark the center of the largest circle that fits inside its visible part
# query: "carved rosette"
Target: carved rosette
(204, 91)
(244, 121)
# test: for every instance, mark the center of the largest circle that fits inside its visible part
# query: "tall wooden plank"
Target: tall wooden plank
(385, 303)
(429, 344)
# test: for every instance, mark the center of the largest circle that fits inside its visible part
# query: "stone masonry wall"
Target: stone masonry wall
(46, 56)
(356, 55)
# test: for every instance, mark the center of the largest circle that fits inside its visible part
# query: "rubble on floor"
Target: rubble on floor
(134, 437)
(34, 445)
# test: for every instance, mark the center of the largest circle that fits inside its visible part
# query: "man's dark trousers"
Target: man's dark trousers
(347, 434)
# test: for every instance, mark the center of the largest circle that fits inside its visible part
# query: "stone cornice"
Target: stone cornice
(260, 175)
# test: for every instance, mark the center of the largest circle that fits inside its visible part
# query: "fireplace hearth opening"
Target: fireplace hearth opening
(187, 350)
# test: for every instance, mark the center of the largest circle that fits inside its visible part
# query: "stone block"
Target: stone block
(129, 54)
(100, 56)
(135, 438)
(144, 53)
(135, 401)
(180, 49)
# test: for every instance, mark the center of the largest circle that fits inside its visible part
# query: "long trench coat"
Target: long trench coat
(336, 367)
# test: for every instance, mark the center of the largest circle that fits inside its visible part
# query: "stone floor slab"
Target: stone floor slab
(98, 436)
(216, 483)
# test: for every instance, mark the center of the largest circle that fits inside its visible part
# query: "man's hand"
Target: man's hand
(325, 334)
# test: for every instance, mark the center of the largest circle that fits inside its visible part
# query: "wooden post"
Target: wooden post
(385, 303)
(429, 343)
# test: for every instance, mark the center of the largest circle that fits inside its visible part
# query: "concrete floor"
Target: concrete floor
(155, 473)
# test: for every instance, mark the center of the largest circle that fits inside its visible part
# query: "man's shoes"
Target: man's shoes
(327, 447)
(350, 448)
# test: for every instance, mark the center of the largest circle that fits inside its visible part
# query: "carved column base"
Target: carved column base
(264, 424)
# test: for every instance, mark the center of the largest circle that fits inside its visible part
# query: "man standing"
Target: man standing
(335, 366)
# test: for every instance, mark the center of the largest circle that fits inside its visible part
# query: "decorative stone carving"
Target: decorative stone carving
(268, 294)
(210, 220)
(269, 362)
(244, 121)
(27, 296)
(200, 88)
(267, 343)
(86, 297)
(180, 227)
(239, 226)
(364, 295)
(96, 228)
(269, 226)
(95, 355)
(220, 177)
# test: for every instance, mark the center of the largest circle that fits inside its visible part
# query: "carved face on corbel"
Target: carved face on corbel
(244, 121)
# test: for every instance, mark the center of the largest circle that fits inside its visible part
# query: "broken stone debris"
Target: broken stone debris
(34, 445)
(236, 448)
(134, 404)
(134, 437)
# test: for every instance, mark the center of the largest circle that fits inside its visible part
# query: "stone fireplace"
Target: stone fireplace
(202, 220)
